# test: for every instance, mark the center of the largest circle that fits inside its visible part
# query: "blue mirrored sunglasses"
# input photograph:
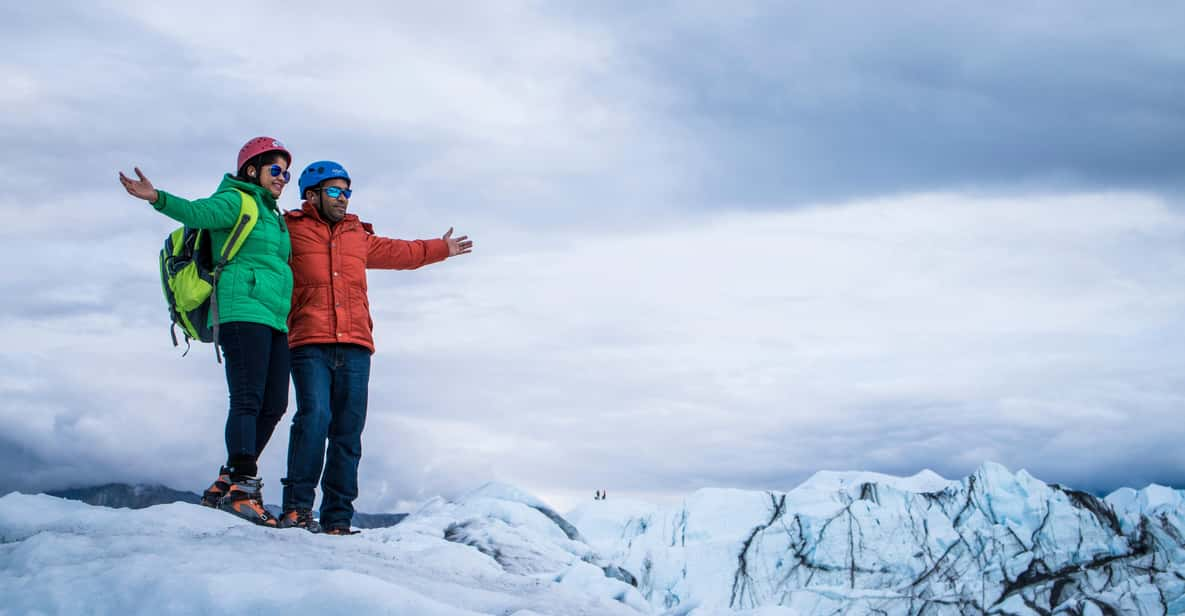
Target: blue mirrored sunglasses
(335, 192)
(276, 170)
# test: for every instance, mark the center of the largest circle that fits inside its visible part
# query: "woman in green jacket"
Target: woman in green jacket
(254, 296)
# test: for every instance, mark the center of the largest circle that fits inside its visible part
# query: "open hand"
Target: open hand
(140, 189)
(458, 246)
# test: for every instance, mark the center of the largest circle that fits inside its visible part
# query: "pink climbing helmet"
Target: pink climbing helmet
(260, 145)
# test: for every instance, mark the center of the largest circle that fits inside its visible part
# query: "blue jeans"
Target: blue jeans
(257, 379)
(331, 389)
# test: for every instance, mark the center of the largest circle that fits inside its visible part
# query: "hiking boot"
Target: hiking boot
(244, 498)
(215, 492)
(300, 518)
(340, 530)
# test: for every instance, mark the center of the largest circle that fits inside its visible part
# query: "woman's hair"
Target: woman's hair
(259, 161)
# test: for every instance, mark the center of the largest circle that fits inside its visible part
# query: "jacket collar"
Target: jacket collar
(260, 194)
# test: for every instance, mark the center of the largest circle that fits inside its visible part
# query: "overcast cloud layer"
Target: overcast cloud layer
(715, 246)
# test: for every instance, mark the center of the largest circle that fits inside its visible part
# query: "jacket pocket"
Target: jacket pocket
(301, 297)
(270, 290)
(310, 313)
(361, 326)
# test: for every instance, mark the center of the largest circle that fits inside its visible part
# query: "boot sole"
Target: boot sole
(256, 520)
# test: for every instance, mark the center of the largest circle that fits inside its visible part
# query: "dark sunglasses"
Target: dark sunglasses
(334, 192)
(276, 170)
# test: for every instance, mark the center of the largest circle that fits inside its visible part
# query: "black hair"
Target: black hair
(259, 161)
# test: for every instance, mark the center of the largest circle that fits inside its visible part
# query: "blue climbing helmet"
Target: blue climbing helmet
(320, 171)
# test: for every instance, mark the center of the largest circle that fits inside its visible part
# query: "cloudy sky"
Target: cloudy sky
(717, 244)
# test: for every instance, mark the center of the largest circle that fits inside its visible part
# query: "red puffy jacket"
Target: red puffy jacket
(329, 301)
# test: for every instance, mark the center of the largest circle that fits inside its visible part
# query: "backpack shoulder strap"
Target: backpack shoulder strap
(248, 216)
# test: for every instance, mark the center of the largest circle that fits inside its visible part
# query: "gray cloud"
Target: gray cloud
(658, 301)
(807, 103)
(752, 351)
(742, 350)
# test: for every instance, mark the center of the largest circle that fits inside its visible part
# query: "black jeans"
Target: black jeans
(257, 378)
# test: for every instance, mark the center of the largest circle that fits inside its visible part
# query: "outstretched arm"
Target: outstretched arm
(389, 253)
(219, 211)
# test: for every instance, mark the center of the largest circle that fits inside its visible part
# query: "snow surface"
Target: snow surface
(860, 543)
(841, 543)
(834, 481)
(502, 557)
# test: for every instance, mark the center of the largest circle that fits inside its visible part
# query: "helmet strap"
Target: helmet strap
(321, 208)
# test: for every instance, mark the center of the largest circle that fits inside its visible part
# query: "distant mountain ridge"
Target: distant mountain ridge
(127, 496)
(142, 496)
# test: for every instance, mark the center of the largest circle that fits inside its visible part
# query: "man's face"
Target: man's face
(332, 209)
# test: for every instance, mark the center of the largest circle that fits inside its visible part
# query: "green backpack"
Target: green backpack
(189, 274)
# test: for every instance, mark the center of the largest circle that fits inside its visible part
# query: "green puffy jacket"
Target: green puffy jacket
(256, 286)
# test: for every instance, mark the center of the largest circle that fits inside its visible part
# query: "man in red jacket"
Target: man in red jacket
(330, 337)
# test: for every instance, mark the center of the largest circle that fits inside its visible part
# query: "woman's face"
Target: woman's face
(272, 176)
